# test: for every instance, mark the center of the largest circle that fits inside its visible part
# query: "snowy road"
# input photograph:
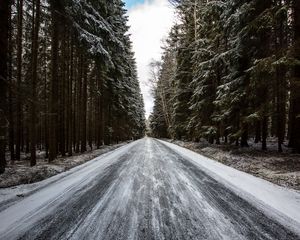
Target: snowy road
(143, 190)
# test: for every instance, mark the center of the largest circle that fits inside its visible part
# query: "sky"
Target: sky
(150, 22)
(132, 3)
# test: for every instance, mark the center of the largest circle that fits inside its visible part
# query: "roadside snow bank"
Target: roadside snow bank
(283, 169)
(21, 173)
(277, 202)
(61, 186)
(70, 166)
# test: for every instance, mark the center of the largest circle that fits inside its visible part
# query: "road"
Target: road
(141, 191)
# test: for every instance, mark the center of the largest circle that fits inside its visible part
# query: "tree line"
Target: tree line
(230, 72)
(68, 78)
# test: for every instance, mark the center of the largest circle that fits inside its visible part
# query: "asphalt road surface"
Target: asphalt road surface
(143, 190)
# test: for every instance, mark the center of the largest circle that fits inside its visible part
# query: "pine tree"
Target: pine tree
(183, 74)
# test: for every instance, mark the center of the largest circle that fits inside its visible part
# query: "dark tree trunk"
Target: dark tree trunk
(19, 78)
(62, 97)
(55, 16)
(10, 93)
(280, 107)
(4, 28)
(90, 126)
(264, 133)
(244, 137)
(74, 98)
(83, 109)
(34, 82)
(257, 132)
(100, 109)
(79, 100)
(46, 109)
(281, 81)
(70, 87)
(226, 138)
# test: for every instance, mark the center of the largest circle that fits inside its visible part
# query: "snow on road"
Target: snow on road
(278, 202)
(145, 190)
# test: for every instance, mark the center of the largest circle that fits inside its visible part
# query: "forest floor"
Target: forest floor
(21, 173)
(280, 168)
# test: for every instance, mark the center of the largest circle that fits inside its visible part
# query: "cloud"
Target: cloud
(149, 23)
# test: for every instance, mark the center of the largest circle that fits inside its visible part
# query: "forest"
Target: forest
(68, 78)
(150, 119)
(230, 72)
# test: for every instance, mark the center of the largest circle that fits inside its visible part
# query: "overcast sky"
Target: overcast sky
(150, 22)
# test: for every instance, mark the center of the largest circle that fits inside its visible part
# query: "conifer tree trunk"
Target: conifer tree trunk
(10, 93)
(100, 121)
(46, 109)
(67, 92)
(281, 81)
(35, 40)
(62, 96)
(19, 128)
(257, 132)
(264, 133)
(79, 100)
(244, 137)
(70, 101)
(84, 109)
(280, 107)
(54, 5)
(97, 118)
(74, 99)
(4, 28)
(91, 122)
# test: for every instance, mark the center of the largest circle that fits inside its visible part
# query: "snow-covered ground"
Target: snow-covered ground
(274, 200)
(21, 173)
(280, 168)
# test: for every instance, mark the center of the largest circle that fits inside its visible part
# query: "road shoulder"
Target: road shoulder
(275, 201)
(67, 166)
